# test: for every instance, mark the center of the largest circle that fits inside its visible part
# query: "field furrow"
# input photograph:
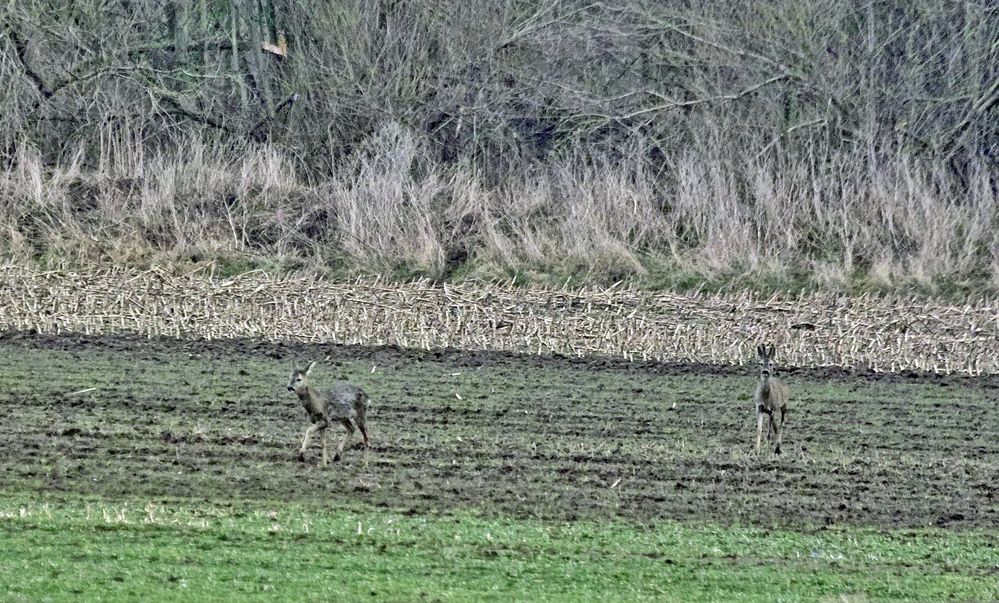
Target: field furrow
(515, 435)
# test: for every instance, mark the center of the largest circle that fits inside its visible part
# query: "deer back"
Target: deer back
(344, 400)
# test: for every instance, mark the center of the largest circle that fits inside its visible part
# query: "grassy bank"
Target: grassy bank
(393, 212)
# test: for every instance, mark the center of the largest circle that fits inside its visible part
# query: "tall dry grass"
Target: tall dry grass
(831, 221)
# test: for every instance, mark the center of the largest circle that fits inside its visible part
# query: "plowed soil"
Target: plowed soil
(546, 437)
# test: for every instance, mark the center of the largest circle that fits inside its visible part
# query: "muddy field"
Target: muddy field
(498, 433)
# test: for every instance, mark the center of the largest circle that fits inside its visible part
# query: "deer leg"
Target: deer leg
(364, 434)
(350, 431)
(305, 443)
(364, 431)
(759, 429)
(773, 432)
(326, 456)
(780, 427)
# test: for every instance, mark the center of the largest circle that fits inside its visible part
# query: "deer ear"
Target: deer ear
(770, 354)
(760, 351)
(308, 369)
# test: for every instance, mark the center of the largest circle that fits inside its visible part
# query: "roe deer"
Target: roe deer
(771, 397)
(342, 403)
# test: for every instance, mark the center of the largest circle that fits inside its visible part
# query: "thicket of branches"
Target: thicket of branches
(830, 140)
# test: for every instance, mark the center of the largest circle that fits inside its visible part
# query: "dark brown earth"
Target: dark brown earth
(523, 435)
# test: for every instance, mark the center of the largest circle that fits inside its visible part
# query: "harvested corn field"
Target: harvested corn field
(884, 334)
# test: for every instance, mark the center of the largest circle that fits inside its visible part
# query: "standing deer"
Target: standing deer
(343, 403)
(771, 396)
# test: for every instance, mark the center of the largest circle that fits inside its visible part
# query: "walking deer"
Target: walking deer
(771, 397)
(342, 403)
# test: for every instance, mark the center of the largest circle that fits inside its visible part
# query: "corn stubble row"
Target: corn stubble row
(883, 333)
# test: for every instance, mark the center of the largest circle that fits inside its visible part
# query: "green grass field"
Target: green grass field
(69, 548)
(166, 470)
